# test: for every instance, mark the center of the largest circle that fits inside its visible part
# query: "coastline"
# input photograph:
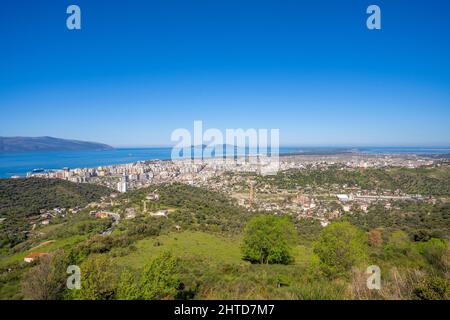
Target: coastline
(19, 164)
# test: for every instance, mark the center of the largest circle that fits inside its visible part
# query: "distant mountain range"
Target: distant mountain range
(24, 144)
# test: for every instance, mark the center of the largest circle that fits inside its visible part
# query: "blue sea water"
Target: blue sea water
(20, 163)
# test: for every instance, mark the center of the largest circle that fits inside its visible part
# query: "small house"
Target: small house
(33, 256)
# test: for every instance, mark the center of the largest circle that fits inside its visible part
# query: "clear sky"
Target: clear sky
(140, 69)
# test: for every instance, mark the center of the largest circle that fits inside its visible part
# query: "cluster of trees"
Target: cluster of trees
(425, 181)
(420, 221)
(100, 279)
(195, 208)
(343, 251)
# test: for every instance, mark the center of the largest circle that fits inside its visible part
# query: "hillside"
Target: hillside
(206, 232)
(23, 144)
(425, 181)
(23, 198)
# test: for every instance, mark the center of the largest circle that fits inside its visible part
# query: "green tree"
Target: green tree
(340, 247)
(268, 239)
(127, 288)
(46, 280)
(98, 279)
(160, 279)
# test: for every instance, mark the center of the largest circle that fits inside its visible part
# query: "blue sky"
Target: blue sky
(140, 69)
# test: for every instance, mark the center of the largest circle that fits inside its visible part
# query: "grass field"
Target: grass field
(188, 244)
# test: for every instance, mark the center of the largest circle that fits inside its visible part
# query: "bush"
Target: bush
(340, 247)
(160, 279)
(127, 289)
(398, 244)
(434, 251)
(98, 279)
(433, 287)
(375, 239)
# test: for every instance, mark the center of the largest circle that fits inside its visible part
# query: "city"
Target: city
(238, 178)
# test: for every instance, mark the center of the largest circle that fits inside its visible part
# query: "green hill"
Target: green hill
(23, 198)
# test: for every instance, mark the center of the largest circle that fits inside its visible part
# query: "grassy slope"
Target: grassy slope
(52, 246)
(202, 245)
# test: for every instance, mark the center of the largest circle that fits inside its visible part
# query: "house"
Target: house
(160, 213)
(343, 197)
(153, 197)
(130, 213)
(324, 222)
(101, 215)
(33, 256)
(346, 208)
(47, 215)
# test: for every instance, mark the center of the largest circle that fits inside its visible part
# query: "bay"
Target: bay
(12, 164)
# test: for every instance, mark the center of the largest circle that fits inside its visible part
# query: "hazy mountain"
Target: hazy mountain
(22, 144)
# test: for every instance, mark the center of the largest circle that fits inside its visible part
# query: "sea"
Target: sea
(19, 164)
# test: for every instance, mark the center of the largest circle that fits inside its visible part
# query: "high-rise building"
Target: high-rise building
(122, 185)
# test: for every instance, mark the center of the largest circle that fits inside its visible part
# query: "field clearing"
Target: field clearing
(188, 244)
(185, 244)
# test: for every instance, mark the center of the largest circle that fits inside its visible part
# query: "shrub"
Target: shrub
(340, 247)
(433, 287)
(160, 279)
(98, 279)
(434, 251)
(127, 288)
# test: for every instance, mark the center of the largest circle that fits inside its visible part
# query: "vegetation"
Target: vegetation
(47, 279)
(209, 248)
(195, 208)
(268, 239)
(98, 279)
(424, 181)
(21, 199)
(340, 247)
(420, 221)
(160, 279)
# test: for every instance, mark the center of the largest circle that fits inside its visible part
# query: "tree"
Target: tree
(268, 239)
(160, 279)
(46, 280)
(127, 288)
(98, 279)
(340, 247)
(374, 237)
